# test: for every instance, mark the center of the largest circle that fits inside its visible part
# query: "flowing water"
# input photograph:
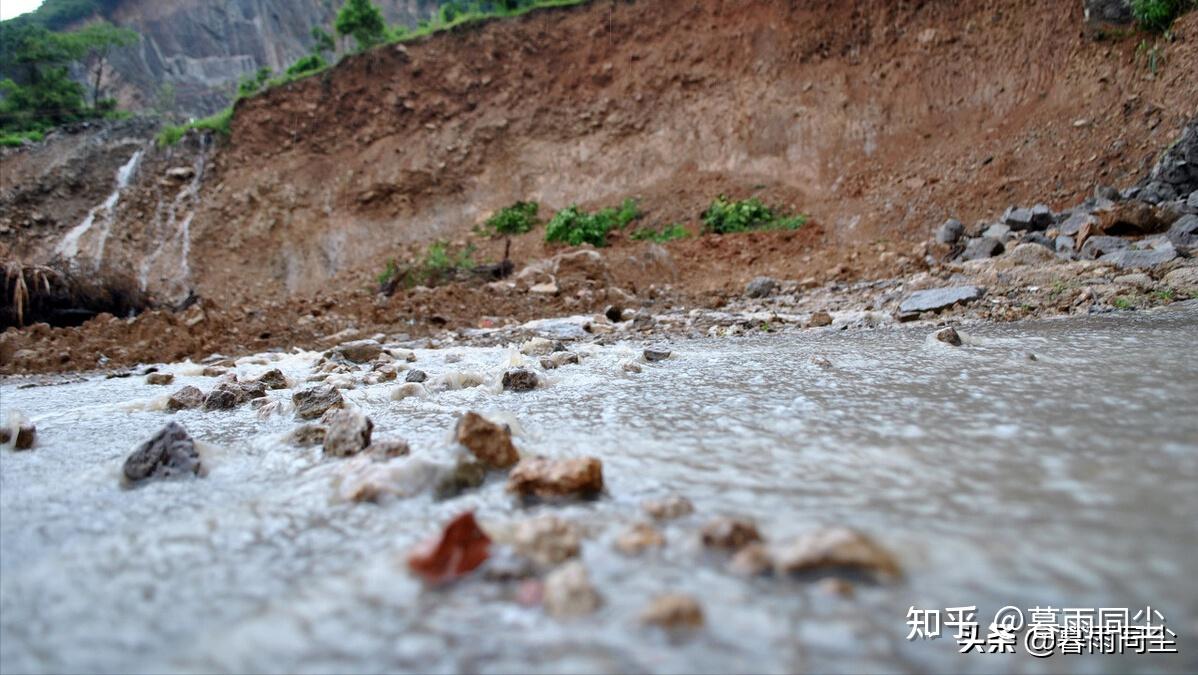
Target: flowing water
(103, 214)
(170, 262)
(995, 480)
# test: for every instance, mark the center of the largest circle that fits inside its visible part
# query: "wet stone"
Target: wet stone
(674, 611)
(224, 397)
(836, 550)
(939, 298)
(655, 354)
(489, 442)
(272, 379)
(752, 561)
(569, 592)
(519, 380)
(614, 313)
(26, 435)
(348, 434)
(361, 351)
(308, 435)
(416, 376)
(466, 474)
(546, 540)
(948, 336)
(160, 379)
(545, 478)
(761, 287)
(639, 538)
(383, 449)
(820, 319)
(729, 533)
(168, 454)
(559, 359)
(185, 399)
(668, 508)
(313, 402)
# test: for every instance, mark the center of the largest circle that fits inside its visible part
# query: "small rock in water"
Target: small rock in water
(639, 537)
(630, 366)
(939, 298)
(383, 449)
(5, 435)
(224, 397)
(272, 379)
(668, 508)
(460, 549)
(408, 390)
(655, 354)
(520, 380)
(348, 434)
(948, 336)
(614, 313)
(753, 560)
(308, 435)
(558, 359)
(537, 346)
(171, 452)
(729, 533)
(490, 442)
(674, 611)
(466, 474)
(360, 351)
(160, 378)
(416, 376)
(313, 402)
(569, 592)
(821, 361)
(550, 478)
(26, 435)
(835, 549)
(761, 287)
(546, 540)
(185, 399)
(820, 319)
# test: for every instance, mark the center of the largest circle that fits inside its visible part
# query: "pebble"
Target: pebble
(674, 611)
(549, 478)
(360, 351)
(383, 449)
(272, 379)
(489, 442)
(655, 354)
(160, 379)
(348, 433)
(546, 540)
(835, 549)
(416, 376)
(520, 380)
(948, 336)
(668, 508)
(569, 591)
(729, 533)
(820, 319)
(169, 453)
(313, 402)
(638, 538)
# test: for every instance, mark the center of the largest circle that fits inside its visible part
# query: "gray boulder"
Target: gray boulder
(1096, 247)
(1074, 223)
(950, 231)
(1108, 14)
(1065, 244)
(1192, 200)
(1176, 173)
(360, 351)
(1018, 218)
(1133, 259)
(169, 453)
(998, 232)
(982, 247)
(939, 298)
(1184, 233)
(761, 287)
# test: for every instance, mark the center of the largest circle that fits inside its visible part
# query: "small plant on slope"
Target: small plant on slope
(726, 217)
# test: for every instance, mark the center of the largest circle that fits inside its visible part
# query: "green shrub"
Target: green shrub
(439, 264)
(1158, 15)
(307, 64)
(669, 233)
(516, 219)
(728, 217)
(220, 123)
(576, 227)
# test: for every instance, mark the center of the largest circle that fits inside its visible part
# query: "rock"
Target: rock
(948, 336)
(383, 449)
(461, 548)
(581, 268)
(248, 391)
(466, 474)
(655, 354)
(1192, 201)
(1184, 233)
(272, 379)
(1074, 223)
(1042, 217)
(982, 248)
(1132, 259)
(181, 173)
(1183, 280)
(223, 397)
(1177, 167)
(169, 453)
(761, 287)
(559, 359)
(348, 434)
(668, 508)
(729, 533)
(674, 611)
(308, 435)
(547, 288)
(537, 346)
(520, 380)
(614, 313)
(5, 435)
(1102, 15)
(1064, 245)
(997, 232)
(185, 399)
(360, 351)
(1038, 217)
(408, 390)
(639, 537)
(1030, 254)
(26, 435)
(313, 402)
(550, 478)
(1134, 218)
(213, 371)
(489, 442)
(569, 592)
(1140, 281)
(1098, 246)
(630, 366)
(416, 376)
(1038, 238)
(835, 549)
(939, 298)
(161, 379)
(546, 540)
(950, 231)
(753, 560)
(819, 319)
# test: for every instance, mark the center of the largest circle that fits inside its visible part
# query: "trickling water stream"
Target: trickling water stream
(172, 230)
(94, 245)
(995, 480)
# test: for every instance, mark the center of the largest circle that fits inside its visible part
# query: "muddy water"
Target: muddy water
(995, 479)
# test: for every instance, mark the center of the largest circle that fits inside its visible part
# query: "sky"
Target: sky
(11, 8)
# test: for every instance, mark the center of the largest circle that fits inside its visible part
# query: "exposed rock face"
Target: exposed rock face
(1176, 174)
(170, 453)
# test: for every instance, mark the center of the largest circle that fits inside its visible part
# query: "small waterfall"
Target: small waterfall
(69, 246)
(169, 265)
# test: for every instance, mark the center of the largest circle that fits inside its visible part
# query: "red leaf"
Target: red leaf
(460, 549)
